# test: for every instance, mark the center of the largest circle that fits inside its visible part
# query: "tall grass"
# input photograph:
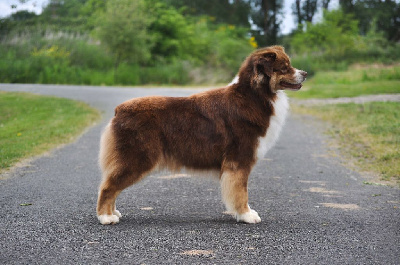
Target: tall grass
(357, 80)
(368, 134)
(45, 56)
(322, 62)
(68, 62)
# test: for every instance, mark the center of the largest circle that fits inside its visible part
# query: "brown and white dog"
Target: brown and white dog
(223, 130)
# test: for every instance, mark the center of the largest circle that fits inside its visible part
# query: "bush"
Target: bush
(335, 35)
(334, 44)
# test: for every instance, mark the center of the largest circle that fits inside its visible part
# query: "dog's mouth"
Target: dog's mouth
(290, 85)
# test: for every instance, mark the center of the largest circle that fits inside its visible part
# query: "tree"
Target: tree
(169, 31)
(347, 5)
(122, 28)
(336, 34)
(385, 13)
(325, 4)
(304, 11)
(61, 8)
(22, 15)
(266, 15)
(91, 11)
(234, 12)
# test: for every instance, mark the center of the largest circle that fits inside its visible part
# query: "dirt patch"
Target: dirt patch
(175, 176)
(315, 182)
(341, 206)
(322, 190)
(146, 208)
(198, 252)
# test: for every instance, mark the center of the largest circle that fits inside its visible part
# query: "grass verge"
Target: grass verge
(367, 133)
(358, 80)
(32, 124)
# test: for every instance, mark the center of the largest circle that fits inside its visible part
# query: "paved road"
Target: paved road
(313, 210)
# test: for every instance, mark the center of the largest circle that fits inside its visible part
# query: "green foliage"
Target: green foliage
(175, 72)
(123, 29)
(386, 12)
(335, 43)
(266, 16)
(158, 46)
(22, 15)
(92, 9)
(336, 34)
(362, 80)
(170, 41)
(228, 48)
(85, 55)
(369, 134)
(221, 11)
(170, 32)
(61, 8)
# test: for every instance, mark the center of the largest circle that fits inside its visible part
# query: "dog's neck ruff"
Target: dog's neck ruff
(276, 122)
(235, 80)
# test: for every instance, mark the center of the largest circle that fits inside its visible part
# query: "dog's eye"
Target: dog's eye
(283, 70)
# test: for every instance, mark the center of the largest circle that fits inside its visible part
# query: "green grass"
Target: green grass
(368, 133)
(31, 124)
(351, 83)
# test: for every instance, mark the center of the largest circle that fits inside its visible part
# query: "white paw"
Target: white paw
(250, 217)
(108, 219)
(117, 213)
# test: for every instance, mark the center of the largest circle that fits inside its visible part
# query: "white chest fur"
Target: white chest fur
(281, 107)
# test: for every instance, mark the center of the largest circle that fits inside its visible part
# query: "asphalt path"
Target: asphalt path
(313, 209)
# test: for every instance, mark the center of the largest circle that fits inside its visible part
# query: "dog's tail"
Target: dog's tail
(107, 154)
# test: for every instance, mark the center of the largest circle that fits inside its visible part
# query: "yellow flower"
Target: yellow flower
(54, 51)
(253, 42)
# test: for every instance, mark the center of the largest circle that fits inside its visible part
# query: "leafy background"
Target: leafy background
(131, 42)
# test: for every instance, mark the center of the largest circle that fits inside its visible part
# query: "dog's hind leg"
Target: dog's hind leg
(235, 195)
(114, 182)
(110, 188)
(120, 169)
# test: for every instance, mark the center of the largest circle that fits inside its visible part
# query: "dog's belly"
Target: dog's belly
(281, 107)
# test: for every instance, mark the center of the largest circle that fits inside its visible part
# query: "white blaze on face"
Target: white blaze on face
(298, 77)
(281, 107)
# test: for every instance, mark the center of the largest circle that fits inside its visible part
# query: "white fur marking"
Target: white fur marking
(281, 107)
(117, 213)
(225, 191)
(108, 219)
(250, 217)
(234, 81)
(298, 77)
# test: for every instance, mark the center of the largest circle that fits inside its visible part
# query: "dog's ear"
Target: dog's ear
(263, 63)
(262, 68)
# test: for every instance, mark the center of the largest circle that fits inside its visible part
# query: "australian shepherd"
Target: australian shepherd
(223, 130)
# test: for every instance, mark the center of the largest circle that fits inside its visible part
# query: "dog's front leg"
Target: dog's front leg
(235, 196)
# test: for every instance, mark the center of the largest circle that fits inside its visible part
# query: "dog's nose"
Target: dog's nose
(303, 73)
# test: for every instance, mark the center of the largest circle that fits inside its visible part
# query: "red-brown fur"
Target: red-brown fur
(215, 130)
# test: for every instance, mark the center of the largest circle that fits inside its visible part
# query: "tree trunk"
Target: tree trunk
(325, 4)
(298, 13)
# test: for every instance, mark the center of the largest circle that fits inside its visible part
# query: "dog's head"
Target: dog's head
(270, 69)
